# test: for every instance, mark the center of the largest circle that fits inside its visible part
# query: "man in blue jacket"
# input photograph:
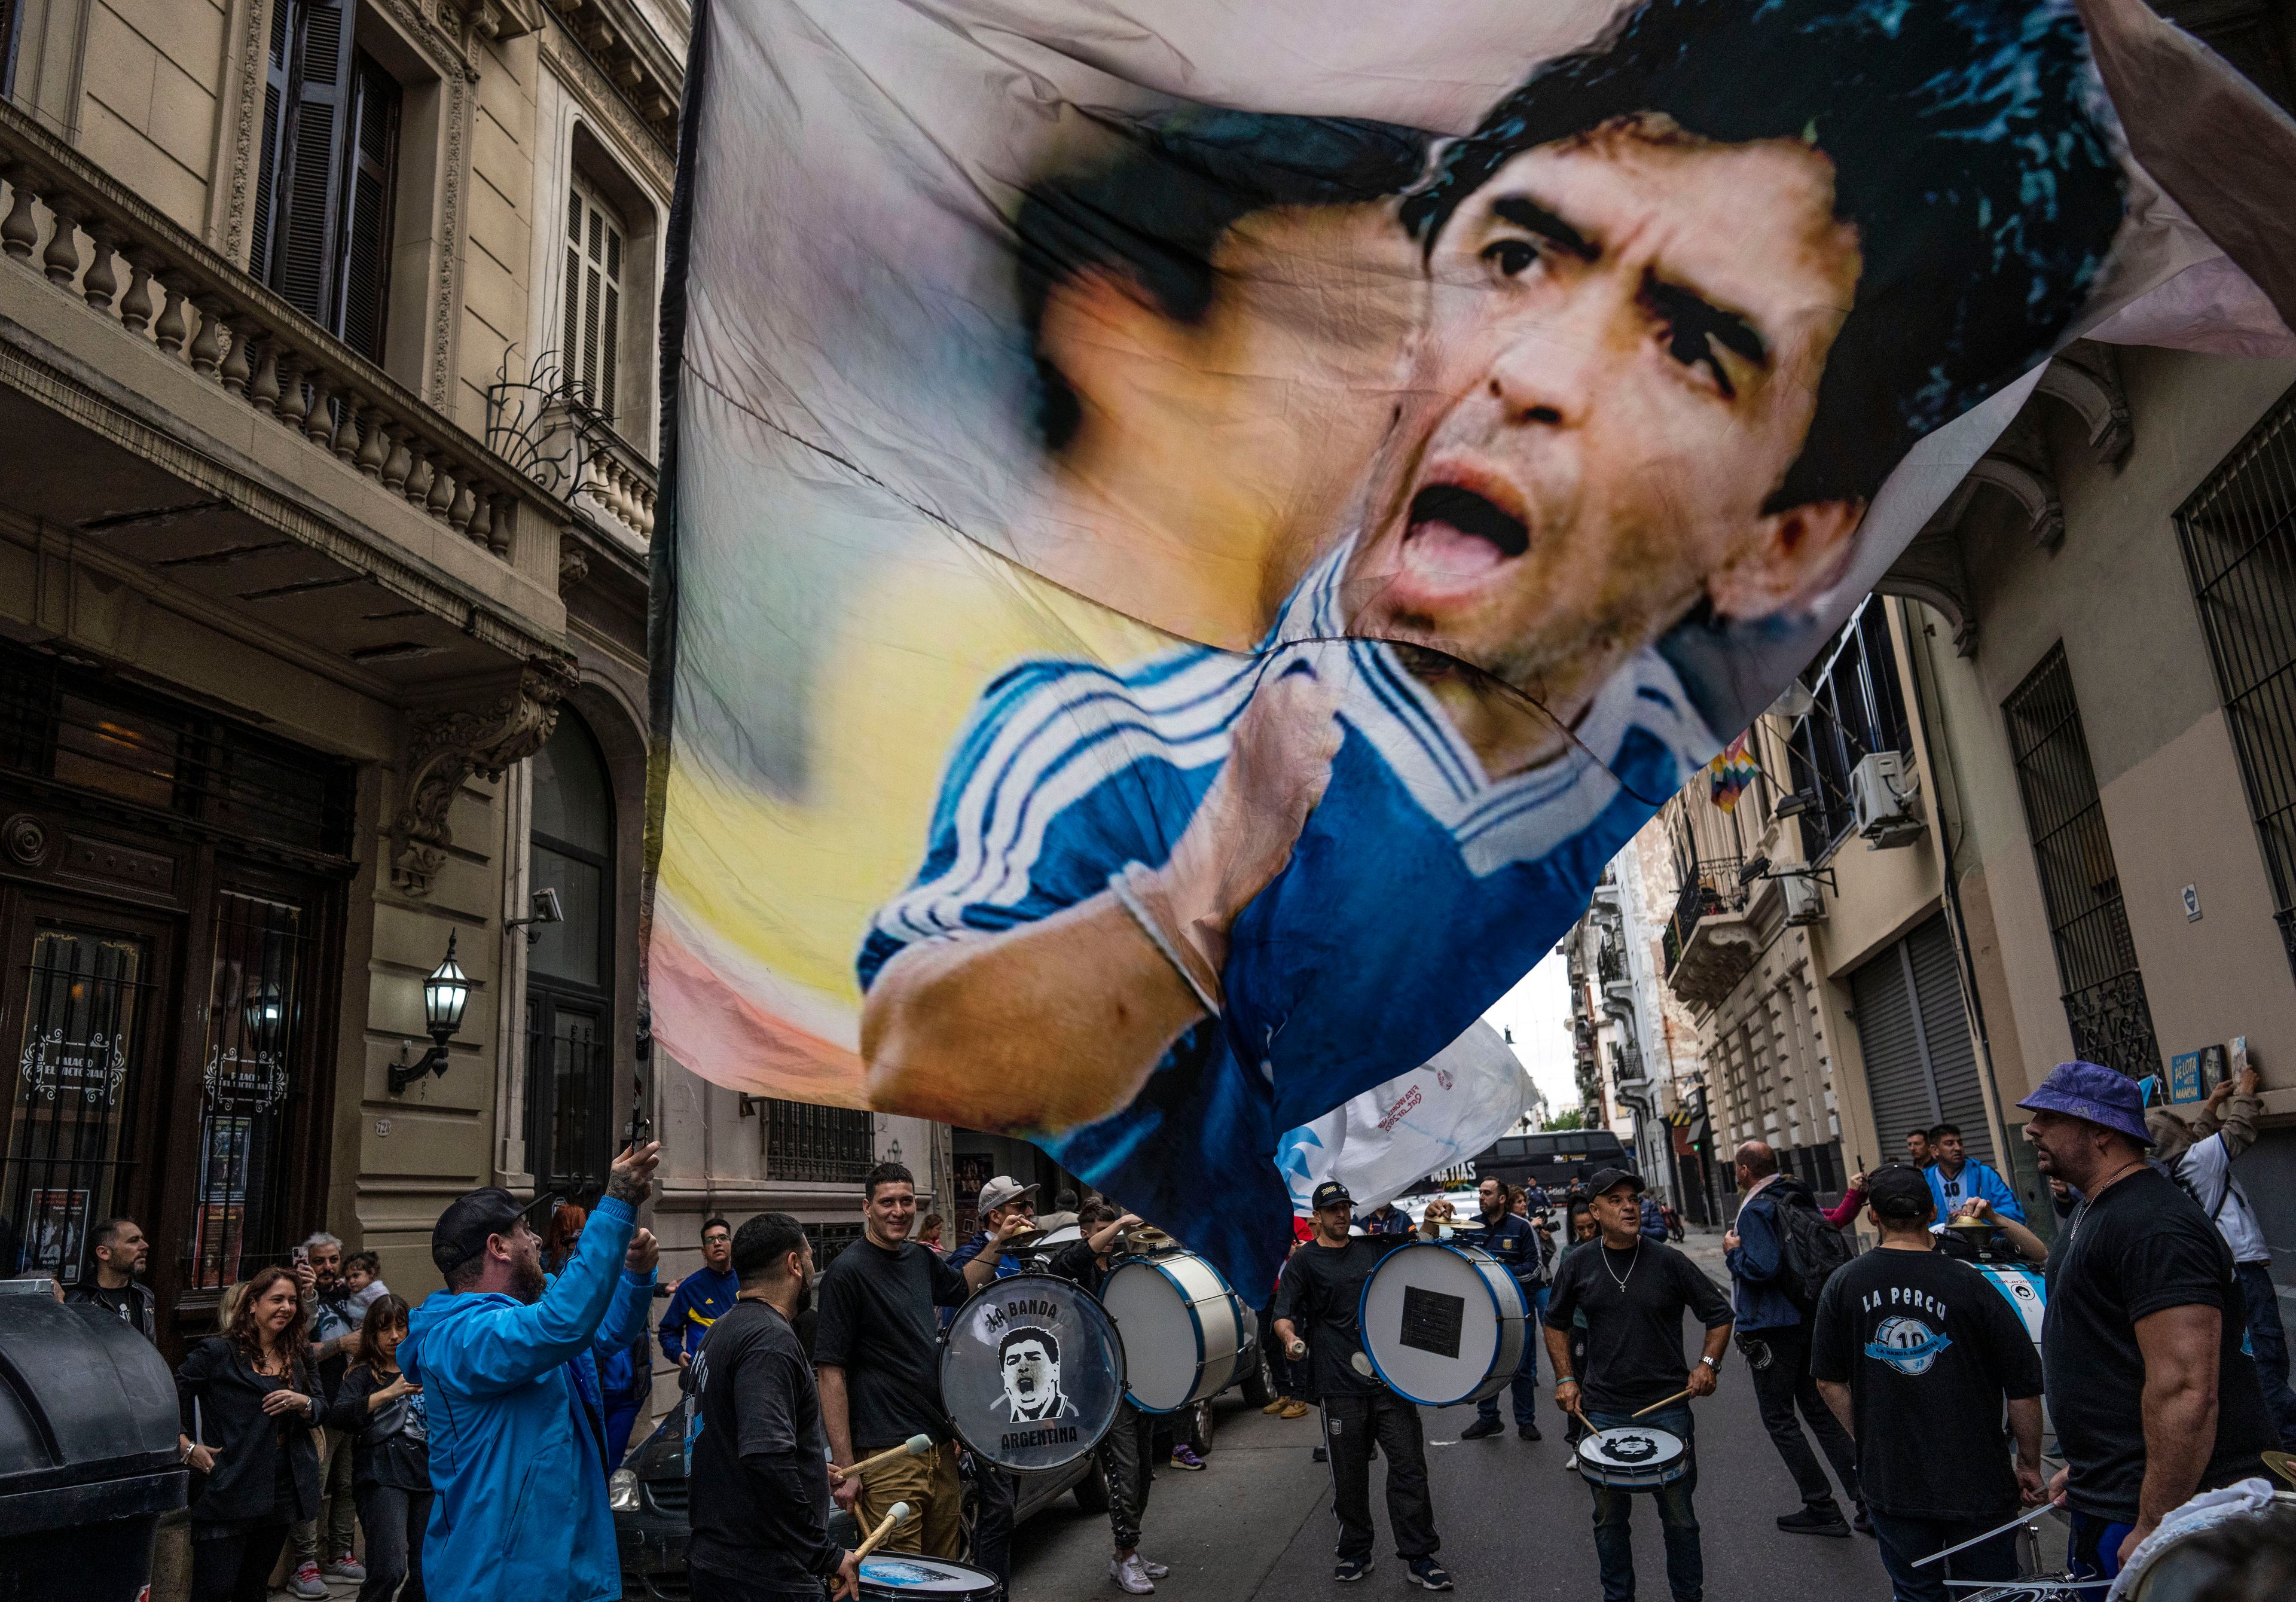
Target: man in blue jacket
(516, 1417)
(702, 1297)
(1957, 1179)
(1515, 1244)
(1774, 1336)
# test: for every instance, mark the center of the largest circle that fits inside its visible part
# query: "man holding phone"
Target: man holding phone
(504, 1355)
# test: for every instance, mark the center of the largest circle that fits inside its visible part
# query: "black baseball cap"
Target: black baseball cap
(1899, 1190)
(1605, 1180)
(1331, 1193)
(462, 1230)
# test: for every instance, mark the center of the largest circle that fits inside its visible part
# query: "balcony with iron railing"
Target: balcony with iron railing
(546, 425)
(1709, 943)
(237, 415)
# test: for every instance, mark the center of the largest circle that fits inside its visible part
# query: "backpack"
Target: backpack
(1812, 1248)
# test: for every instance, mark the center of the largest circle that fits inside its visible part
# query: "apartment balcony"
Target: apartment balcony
(544, 424)
(1709, 942)
(173, 425)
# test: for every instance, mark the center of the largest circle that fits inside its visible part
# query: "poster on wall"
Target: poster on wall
(1191, 540)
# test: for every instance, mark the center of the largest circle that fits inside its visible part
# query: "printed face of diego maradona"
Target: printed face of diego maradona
(1621, 361)
(1032, 1377)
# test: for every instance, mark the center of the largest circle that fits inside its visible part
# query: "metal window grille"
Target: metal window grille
(70, 1134)
(833, 1146)
(81, 731)
(2238, 532)
(829, 1240)
(2103, 991)
(255, 1013)
(569, 1087)
(1860, 710)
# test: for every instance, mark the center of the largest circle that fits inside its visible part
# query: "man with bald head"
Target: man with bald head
(1774, 1333)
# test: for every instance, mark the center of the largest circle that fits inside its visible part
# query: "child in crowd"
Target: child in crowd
(363, 1275)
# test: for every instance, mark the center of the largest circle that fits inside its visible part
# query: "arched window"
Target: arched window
(570, 966)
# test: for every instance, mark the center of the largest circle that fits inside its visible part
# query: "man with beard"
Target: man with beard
(1687, 297)
(760, 1500)
(504, 1355)
(2151, 1393)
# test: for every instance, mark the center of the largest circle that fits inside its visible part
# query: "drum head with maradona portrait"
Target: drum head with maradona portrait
(1032, 1372)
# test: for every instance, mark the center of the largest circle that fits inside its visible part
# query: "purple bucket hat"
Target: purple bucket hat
(2104, 1096)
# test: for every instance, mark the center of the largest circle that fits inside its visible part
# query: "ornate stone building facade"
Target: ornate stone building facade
(328, 427)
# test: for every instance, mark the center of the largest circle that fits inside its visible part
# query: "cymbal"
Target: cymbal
(1026, 1240)
(1145, 1238)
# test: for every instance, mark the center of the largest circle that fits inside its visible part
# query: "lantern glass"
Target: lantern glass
(445, 994)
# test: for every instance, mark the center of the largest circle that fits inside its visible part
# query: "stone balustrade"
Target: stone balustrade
(93, 239)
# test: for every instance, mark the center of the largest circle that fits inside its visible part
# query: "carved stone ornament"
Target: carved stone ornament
(573, 564)
(25, 838)
(449, 746)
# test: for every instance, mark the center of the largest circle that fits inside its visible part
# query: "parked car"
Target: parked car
(648, 1494)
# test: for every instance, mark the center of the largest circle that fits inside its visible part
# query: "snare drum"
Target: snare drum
(887, 1575)
(1633, 1458)
(1443, 1322)
(1031, 1372)
(1183, 1330)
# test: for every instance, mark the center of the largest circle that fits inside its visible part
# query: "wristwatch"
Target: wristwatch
(1714, 1363)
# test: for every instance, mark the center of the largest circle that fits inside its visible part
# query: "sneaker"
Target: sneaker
(1293, 1407)
(1351, 1568)
(1481, 1429)
(1319, 1455)
(1131, 1575)
(1277, 1406)
(346, 1567)
(1429, 1574)
(1571, 1461)
(1529, 1432)
(305, 1582)
(1155, 1570)
(1816, 1521)
(1184, 1457)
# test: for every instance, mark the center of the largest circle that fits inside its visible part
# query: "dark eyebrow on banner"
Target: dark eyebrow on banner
(1686, 310)
(1536, 218)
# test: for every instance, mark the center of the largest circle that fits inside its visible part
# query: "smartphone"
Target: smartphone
(299, 1256)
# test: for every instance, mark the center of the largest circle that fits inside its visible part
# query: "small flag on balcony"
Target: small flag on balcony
(1730, 773)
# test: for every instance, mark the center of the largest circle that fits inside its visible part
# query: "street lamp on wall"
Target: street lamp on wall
(445, 994)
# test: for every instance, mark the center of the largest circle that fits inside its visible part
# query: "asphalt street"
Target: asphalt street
(1258, 1522)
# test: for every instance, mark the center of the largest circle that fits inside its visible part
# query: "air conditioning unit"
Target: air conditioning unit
(1805, 902)
(1882, 800)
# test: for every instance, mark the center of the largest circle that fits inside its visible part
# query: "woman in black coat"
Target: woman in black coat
(381, 1410)
(248, 1417)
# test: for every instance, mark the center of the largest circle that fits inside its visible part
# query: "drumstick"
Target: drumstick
(915, 1446)
(898, 1514)
(1655, 1405)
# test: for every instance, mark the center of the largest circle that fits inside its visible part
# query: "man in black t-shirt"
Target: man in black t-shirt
(1917, 1355)
(2151, 1393)
(1315, 1320)
(120, 1252)
(1634, 1293)
(877, 1347)
(756, 1450)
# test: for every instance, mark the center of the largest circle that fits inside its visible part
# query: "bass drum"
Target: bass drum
(1031, 1372)
(885, 1575)
(2028, 1291)
(1184, 1333)
(1443, 1323)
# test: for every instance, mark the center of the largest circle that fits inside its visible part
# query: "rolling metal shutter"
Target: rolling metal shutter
(1921, 1063)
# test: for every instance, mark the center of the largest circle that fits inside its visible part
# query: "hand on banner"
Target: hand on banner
(1279, 762)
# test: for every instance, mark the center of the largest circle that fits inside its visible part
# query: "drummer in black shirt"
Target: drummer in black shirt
(759, 1482)
(1315, 1320)
(1634, 1293)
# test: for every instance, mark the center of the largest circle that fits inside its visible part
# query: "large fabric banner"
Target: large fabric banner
(1195, 531)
